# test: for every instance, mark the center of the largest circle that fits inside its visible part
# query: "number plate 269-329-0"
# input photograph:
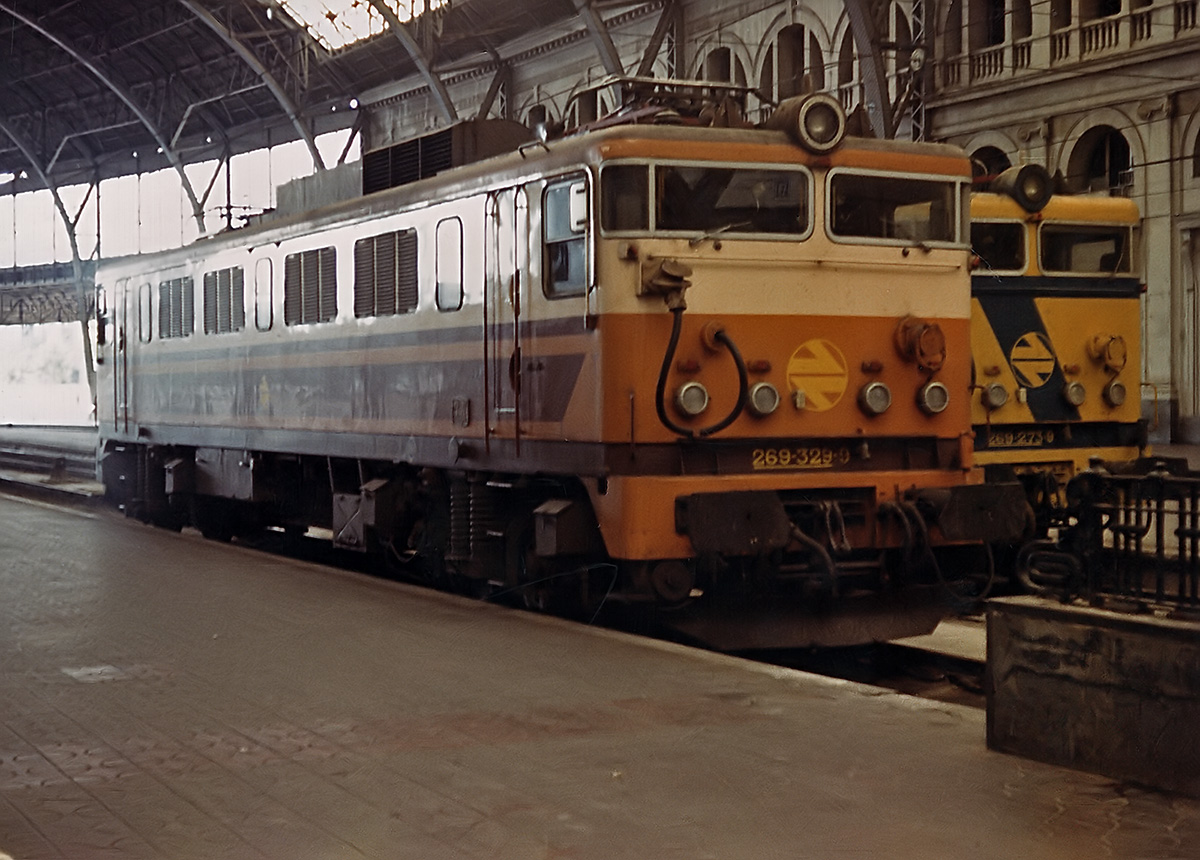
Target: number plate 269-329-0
(801, 457)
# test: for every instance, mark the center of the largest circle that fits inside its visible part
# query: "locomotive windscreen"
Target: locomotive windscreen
(699, 198)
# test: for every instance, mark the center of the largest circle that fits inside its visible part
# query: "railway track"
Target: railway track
(50, 452)
(915, 668)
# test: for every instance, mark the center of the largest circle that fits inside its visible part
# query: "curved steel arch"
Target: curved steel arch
(440, 94)
(76, 261)
(247, 56)
(600, 37)
(171, 156)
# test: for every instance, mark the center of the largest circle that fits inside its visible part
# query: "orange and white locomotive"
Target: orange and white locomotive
(720, 370)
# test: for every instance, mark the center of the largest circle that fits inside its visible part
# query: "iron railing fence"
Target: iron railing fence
(1130, 539)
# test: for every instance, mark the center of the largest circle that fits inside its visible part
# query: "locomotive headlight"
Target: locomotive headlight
(815, 121)
(763, 399)
(822, 123)
(994, 395)
(874, 398)
(1028, 184)
(1114, 393)
(691, 399)
(1074, 393)
(933, 397)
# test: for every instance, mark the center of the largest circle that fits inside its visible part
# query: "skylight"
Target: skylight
(338, 23)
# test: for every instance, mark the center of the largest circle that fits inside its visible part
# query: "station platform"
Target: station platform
(168, 697)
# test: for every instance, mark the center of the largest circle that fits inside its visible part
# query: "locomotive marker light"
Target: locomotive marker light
(933, 398)
(763, 400)
(994, 395)
(1114, 393)
(874, 398)
(691, 399)
(1074, 393)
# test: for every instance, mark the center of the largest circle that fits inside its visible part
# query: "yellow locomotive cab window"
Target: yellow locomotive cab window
(998, 245)
(1088, 249)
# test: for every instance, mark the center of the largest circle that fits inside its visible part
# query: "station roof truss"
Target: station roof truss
(92, 90)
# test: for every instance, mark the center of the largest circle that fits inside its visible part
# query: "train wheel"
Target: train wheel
(213, 518)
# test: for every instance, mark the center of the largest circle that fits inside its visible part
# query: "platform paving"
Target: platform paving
(166, 697)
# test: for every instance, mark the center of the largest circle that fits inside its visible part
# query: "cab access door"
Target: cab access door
(507, 267)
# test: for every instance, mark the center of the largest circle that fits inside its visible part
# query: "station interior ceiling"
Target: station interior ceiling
(91, 90)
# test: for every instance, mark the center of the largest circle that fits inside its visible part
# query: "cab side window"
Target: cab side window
(564, 237)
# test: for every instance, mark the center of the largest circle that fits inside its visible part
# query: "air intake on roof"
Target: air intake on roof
(422, 157)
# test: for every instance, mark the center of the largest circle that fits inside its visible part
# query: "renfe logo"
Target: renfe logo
(1032, 360)
(818, 368)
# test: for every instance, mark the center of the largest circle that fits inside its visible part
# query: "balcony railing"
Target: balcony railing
(1022, 54)
(1139, 26)
(988, 63)
(1088, 40)
(1097, 36)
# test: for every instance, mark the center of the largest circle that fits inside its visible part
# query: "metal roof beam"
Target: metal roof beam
(870, 64)
(72, 236)
(440, 94)
(666, 20)
(600, 37)
(247, 56)
(125, 97)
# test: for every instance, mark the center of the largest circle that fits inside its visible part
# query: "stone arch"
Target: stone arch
(816, 61)
(1190, 149)
(1090, 141)
(993, 146)
(708, 53)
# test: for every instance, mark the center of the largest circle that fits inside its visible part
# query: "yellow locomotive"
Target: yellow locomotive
(677, 361)
(1055, 333)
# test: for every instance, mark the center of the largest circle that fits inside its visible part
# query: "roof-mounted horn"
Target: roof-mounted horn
(816, 121)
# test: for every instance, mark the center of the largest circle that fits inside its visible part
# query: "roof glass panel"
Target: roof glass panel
(338, 23)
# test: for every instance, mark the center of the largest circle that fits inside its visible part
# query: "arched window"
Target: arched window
(1196, 158)
(845, 73)
(790, 45)
(795, 55)
(722, 65)
(989, 161)
(1101, 161)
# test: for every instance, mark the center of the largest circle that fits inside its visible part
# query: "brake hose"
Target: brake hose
(660, 391)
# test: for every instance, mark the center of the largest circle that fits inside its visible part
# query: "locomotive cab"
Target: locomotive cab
(1056, 334)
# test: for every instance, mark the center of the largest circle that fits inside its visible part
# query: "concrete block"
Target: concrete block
(1095, 690)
